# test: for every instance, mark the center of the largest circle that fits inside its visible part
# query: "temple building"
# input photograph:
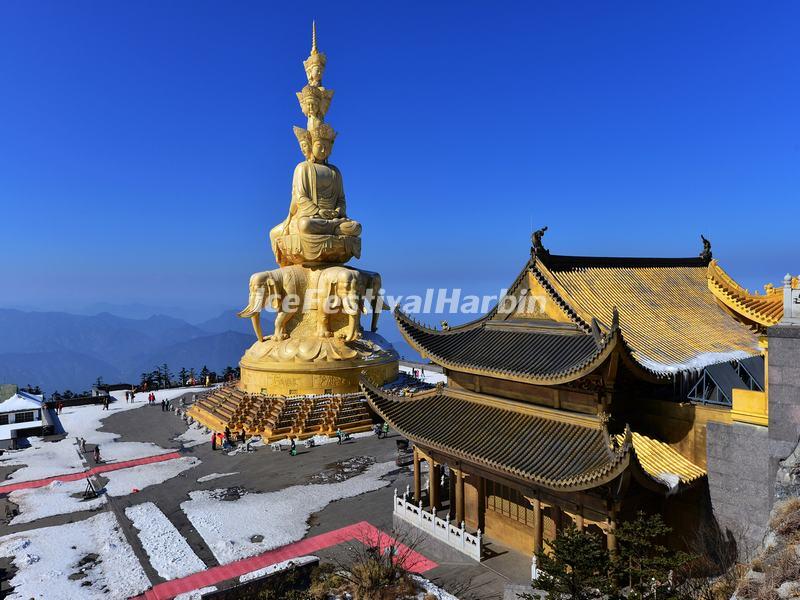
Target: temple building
(570, 400)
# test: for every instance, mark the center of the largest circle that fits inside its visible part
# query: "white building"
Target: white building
(21, 415)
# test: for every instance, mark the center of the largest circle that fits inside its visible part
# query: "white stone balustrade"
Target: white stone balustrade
(441, 529)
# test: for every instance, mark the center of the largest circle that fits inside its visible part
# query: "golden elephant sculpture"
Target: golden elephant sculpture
(346, 290)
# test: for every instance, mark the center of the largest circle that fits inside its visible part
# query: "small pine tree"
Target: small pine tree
(643, 563)
(576, 568)
(183, 375)
(166, 376)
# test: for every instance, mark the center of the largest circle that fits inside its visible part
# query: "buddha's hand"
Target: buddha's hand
(328, 214)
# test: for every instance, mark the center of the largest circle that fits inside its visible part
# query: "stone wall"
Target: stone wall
(784, 397)
(738, 482)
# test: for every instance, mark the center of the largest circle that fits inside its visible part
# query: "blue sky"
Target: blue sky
(146, 148)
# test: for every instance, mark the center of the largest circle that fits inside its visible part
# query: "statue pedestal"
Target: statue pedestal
(335, 377)
(312, 365)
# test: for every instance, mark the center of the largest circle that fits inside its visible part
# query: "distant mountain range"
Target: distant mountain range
(59, 351)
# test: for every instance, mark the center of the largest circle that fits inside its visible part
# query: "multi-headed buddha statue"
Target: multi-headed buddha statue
(317, 229)
(318, 344)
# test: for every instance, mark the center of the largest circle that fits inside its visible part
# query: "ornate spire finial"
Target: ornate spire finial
(315, 63)
(313, 37)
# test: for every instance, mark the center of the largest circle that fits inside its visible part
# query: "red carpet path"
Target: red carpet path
(363, 532)
(36, 483)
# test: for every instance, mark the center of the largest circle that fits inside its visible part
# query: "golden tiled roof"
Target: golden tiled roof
(667, 316)
(661, 461)
(756, 310)
(553, 449)
(515, 351)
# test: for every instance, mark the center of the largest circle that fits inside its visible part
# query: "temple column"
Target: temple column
(451, 483)
(611, 532)
(538, 525)
(434, 474)
(579, 519)
(459, 496)
(481, 504)
(557, 518)
(417, 485)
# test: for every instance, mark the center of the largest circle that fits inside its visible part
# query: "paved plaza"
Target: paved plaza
(174, 515)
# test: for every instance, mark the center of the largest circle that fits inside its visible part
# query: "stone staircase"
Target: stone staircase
(276, 417)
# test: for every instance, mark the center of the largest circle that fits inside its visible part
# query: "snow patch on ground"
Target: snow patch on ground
(54, 499)
(45, 559)
(170, 554)
(46, 459)
(433, 589)
(229, 528)
(278, 567)
(195, 594)
(211, 476)
(122, 482)
(194, 436)
(321, 440)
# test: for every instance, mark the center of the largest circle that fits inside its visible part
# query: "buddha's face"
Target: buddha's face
(321, 149)
(312, 106)
(305, 148)
(314, 75)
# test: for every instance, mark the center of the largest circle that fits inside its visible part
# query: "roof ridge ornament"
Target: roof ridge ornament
(596, 333)
(705, 255)
(537, 248)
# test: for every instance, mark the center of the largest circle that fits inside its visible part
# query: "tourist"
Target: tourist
(163, 405)
(59, 406)
(97, 454)
(339, 435)
(227, 434)
(105, 403)
(213, 440)
(292, 448)
(385, 429)
(241, 436)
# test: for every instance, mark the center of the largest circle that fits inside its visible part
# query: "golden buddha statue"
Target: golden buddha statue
(317, 229)
(318, 342)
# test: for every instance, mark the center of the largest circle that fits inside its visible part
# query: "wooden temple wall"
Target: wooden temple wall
(504, 512)
(550, 396)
